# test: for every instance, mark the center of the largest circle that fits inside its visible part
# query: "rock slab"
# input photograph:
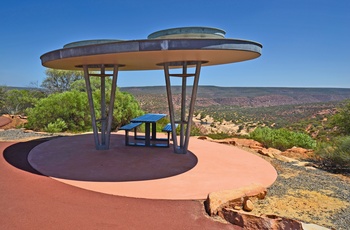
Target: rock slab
(264, 222)
(231, 198)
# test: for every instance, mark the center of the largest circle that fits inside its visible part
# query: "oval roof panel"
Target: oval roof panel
(89, 42)
(188, 32)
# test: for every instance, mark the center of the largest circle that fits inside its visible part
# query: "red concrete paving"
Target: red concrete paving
(29, 200)
(153, 173)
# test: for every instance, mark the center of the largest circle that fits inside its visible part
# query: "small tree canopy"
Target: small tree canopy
(2, 97)
(58, 81)
(95, 83)
(342, 119)
(18, 101)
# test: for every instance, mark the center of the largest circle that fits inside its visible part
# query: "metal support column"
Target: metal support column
(184, 123)
(101, 141)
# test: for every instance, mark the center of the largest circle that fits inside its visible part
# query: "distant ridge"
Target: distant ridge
(154, 97)
(21, 88)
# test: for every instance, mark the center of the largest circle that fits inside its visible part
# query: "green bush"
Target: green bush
(58, 126)
(336, 155)
(282, 139)
(125, 106)
(70, 107)
(342, 119)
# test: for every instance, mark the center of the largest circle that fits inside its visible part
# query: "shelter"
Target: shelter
(177, 48)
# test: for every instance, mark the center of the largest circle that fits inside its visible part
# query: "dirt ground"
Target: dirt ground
(307, 205)
(307, 194)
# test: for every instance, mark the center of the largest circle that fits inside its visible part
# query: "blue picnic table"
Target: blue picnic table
(148, 119)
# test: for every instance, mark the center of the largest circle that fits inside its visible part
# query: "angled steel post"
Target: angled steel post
(111, 104)
(101, 141)
(183, 104)
(171, 105)
(192, 104)
(91, 105)
(103, 106)
(184, 131)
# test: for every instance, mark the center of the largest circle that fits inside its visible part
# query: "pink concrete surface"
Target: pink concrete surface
(29, 200)
(153, 173)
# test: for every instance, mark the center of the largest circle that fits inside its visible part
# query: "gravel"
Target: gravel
(18, 134)
(314, 180)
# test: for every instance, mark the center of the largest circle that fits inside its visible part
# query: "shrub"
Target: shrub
(342, 119)
(336, 155)
(282, 139)
(58, 126)
(70, 107)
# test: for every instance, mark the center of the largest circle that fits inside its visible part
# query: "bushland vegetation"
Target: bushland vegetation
(323, 127)
(335, 150)
(313, 119)
(282, 139)
(61, 104)
(18, 101)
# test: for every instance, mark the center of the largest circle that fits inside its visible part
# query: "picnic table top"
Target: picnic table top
(149, 118)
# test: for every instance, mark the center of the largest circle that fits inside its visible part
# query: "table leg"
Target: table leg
(147, 135)
(154, 131)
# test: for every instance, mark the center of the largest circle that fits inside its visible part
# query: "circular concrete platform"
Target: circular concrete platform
(155, 173)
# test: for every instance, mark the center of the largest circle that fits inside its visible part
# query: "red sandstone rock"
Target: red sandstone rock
(228, 141)
(253, 222)
(248, 143)
(248, 205)
(241, 142)
(298, 153)
(4, 120)
(255, 147)
(267, 152)
(231, 198)
(298, 150)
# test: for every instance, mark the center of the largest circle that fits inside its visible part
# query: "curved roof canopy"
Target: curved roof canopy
(173, 45)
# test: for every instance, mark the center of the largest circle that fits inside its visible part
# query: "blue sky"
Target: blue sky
(305, 42)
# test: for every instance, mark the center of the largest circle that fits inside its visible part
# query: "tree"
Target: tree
(58, 81)
(125, 107)
(95, 83)
(342, 119)
(2, 97)
(18, 101)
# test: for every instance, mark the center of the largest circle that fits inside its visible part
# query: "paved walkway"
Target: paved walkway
(30, 200)
(154, 173)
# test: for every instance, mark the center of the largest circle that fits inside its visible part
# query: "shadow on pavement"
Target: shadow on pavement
(17, 154)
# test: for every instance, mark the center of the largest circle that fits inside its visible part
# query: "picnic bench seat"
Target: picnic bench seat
(129, 127)
(168, 129)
